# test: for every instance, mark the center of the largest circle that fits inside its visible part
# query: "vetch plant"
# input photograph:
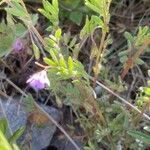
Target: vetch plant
(104, 123)
(102, 21)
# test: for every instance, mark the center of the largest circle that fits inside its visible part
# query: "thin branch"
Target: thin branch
(122, 99)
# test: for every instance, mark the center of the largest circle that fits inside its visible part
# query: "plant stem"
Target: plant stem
(102, 43)
(99, 57)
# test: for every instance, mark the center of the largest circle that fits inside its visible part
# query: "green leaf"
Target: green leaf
(3, 125)
(50, 42)
(36, 51)
(123, 59)
(34, 18)
(49, 7)
(139, 61)
(90, 25)
(98, 21)
(16, 10)
(139, 135)
(128, 36)
(28, 103)
(49, 62)
(16, 135)
(76, 17)
(7, 37)
(20, 29)
(15, 147)
(53, 56)
(85, 30)
(147, 90)
(73, 42)
(51, 11)
(55, 4)
(58, 34)
(70, 64)
(4, 145)
(91, 6)
(62, 61)
(123, 53)
(46, 14)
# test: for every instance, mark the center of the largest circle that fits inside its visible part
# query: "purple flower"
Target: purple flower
(39, 80)
(18, 45)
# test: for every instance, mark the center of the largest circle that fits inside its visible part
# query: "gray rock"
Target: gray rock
(40, 136)
(98, 91)
(16, 116)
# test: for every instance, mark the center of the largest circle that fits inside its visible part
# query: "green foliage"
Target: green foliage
(10, 31)
(73, 10)
(90, 26)
(4, 145)
(134, 43)
(142, 35)
(7, 35)
(17, 9)
(101, 21)
(20, 30)
(8, 143)
(29, 103)
(16, 135)
(72, 95)
(76, 17)
(144, 95)
(51, 11)
(139, 135)
(100, 7)
(36, 51)
(90, 146)
(3, 125)
(64, 68)
(101, 133)
(70, 44)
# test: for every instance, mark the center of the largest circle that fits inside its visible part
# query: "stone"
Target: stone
(16, 116)
(40, 136)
